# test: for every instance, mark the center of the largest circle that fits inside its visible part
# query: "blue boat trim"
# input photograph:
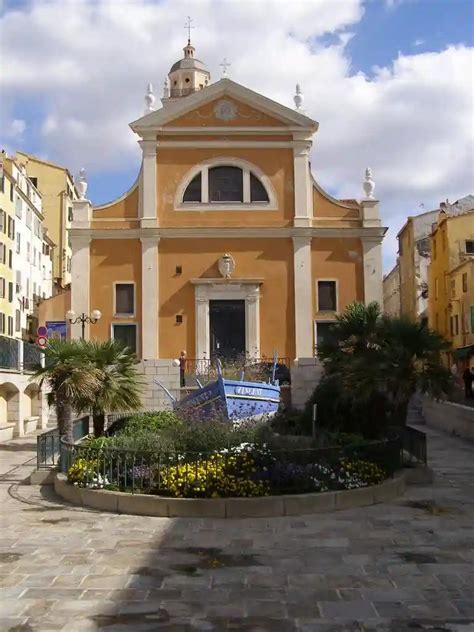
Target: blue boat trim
(233, 399)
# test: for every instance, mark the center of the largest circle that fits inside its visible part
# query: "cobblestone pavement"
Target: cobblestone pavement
(402, 566)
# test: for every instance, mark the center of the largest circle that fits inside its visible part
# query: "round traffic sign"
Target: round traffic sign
(42, 331)
(41, 341)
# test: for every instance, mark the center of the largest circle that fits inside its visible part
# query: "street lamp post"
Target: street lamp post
(83, 319)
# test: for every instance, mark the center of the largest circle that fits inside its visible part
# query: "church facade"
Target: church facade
(225, 244)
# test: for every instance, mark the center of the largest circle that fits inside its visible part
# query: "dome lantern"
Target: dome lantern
(188, 75)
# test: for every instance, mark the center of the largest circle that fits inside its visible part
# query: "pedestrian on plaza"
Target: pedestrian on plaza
(182, 368)
(467, 377)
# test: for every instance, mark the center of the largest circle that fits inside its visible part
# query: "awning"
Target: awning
(464, 352)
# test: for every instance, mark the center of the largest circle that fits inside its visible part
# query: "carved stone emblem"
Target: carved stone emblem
(225, 110)
(226, 265)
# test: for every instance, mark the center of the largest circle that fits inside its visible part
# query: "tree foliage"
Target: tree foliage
(373, 365)
(89, 376)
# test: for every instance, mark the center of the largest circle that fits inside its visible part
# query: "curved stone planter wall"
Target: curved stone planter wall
(265, 506)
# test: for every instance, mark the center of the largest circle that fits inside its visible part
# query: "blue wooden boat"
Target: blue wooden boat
(234, 400)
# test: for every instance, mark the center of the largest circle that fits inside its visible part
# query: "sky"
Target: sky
(389, 81)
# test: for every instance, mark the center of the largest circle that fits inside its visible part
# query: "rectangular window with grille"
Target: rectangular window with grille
(327, 296)
(126, 334)
(464, 282)
(2, 287)
(470, 247)
(124, 299)
(3, 222)
(10, 292)
(10, 325)
(2, 323)
(323, 332)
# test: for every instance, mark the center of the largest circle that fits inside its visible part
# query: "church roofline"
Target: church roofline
(135, 184)
(224, 86)
(354, 204)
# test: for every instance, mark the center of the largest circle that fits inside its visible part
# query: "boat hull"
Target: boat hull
(233, 400)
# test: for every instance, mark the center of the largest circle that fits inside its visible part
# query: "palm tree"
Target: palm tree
(120, 385)
(379, 362)
(70, 379)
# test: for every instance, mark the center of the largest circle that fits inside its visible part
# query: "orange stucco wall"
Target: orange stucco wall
(173, 165)
(341, 260)
(270, 259)
(324, 207)
(127, 207)
(114, 260)
(54, 308)
(204, 116)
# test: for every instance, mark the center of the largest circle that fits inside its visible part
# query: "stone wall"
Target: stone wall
(305, 375)
(452, 418)
(23, 406)
(154, 398)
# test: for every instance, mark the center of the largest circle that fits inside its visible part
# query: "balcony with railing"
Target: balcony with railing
(18, 355)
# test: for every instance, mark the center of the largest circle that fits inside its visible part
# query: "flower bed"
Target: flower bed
(245, 470)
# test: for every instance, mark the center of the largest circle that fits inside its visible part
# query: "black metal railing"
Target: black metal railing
(245, 472)
(48, 444)
(9, 353)
(253, 369)
(414, 444)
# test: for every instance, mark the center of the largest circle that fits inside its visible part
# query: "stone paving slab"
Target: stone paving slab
(397, 567)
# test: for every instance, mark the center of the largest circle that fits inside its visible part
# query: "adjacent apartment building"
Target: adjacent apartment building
(451, 278)
(25, 252)
(413, 264)
(58, 192)
(391, 292)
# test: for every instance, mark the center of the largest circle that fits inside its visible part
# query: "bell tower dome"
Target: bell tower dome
(186, 76)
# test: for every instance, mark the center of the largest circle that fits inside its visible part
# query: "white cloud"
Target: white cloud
(411, 122)
(15, 128)
(418, 42)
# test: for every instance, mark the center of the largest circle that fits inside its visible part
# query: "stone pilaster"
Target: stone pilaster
(148, 208)
(80, 282)
(150, 298)
(303, 297)
(302, 185)
(373, 277)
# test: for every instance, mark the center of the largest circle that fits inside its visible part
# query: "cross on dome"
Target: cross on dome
(189, 27)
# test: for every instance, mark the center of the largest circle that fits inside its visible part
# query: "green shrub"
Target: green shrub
(339, 411)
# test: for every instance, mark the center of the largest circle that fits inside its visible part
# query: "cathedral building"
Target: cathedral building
(226, 244)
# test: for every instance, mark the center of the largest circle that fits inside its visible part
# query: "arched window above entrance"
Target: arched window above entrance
(224, 184)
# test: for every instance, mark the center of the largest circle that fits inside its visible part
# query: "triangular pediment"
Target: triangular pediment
(224, 104)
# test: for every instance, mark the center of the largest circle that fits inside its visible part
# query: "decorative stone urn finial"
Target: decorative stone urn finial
(166, 89)
(149, 99)
(226, 265)
(81, 186)
(298, 98)
(368, 184)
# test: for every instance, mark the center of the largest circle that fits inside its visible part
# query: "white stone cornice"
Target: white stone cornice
(237, 232)
(235, 144)
(297, 132)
